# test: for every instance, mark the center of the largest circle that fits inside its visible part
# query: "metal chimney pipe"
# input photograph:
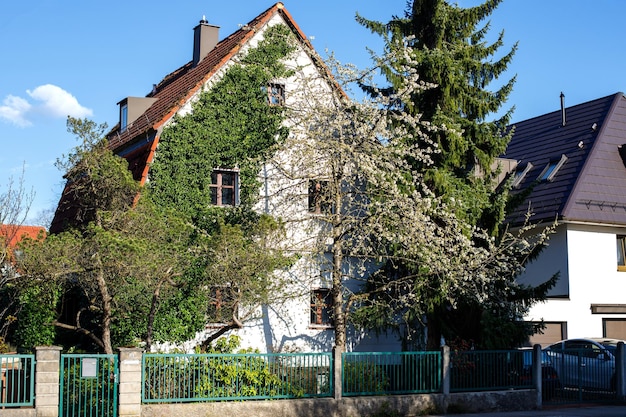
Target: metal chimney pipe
(562, 109)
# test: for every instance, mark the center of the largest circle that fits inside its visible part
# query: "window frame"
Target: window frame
(276, 94)
(621, 252)
(320, 307)
(222, 298)
(219, 187)
(551, 169)
(318, 199)
(123, 117)
(520, 175)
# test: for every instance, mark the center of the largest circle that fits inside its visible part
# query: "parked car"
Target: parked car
(585, 363)
(550, 383)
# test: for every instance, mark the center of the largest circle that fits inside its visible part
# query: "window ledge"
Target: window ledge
(321, 326)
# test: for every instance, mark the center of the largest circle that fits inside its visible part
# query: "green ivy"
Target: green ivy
(230, 126)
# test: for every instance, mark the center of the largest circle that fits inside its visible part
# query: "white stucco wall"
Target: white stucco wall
(591, 275)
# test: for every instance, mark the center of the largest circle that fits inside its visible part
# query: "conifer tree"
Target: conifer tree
(446, 46)
(454, 59)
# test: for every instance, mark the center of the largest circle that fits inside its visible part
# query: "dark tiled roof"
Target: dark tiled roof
(543, 139)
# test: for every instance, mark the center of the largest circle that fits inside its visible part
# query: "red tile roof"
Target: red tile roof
(12, 234)
(179, 86)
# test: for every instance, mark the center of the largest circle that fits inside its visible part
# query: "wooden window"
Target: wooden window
(321, 307)
(621, 253)
(222, 304)
(224, 187)
(319, 198)
(276, 94)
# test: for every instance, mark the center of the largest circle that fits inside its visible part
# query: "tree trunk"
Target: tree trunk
(106, 307)
(339, 315)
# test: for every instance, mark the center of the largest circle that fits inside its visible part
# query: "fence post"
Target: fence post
(620, 376)
(537, 373)
(337, 367)
(130, 382)
(47, 371)
(446, 370)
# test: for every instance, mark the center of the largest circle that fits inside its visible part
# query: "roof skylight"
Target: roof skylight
(551, 169)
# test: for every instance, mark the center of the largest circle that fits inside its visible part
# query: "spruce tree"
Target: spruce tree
(448, 44)
(447, 47)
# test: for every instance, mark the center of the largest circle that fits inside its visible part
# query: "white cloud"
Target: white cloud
(57, 102)
(49, 100)
(14, 110)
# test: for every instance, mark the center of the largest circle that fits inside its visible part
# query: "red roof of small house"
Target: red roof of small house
(12, 234)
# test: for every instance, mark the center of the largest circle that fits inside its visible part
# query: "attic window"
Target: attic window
(520, 175)
(551, 169)
(123, 117)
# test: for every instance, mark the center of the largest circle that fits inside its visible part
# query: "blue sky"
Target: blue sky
(82, 57)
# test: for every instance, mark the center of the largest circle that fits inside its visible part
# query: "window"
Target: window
(321, 305)
(551, 169)
(276, 94)
(319, 200)
(222, 304)
(520, 175)
(621, 253)
(224, 187)
(123, 117)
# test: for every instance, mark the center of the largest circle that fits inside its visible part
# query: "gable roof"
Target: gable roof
(589, 185)
(137, 143)
(178, 87)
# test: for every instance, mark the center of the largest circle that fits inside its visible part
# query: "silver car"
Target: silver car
(585, 363)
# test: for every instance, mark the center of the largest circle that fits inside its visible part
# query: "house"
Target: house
(12, 234)
(302, 323)
(575, 160)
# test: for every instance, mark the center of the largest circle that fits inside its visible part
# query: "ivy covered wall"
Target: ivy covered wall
(231, 126)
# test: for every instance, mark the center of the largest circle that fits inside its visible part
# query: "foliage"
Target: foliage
(364, 377)
(15, 203)
(467, 285)
(34, 318)
(230, 126)
(115, 253)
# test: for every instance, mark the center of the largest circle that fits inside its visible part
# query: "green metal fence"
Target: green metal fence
(17, 381)
(481, 370)
(88, 385)
(391, 373)
(173, 378)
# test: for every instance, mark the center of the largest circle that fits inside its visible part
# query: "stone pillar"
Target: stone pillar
(47, 377)
(130, 382)
(337, 366)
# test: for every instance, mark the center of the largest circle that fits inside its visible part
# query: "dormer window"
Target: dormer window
(123, 117)
(225, 187)
(551, 169)
(520, 175)
(276, 94)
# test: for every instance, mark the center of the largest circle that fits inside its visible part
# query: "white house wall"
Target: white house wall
(592, 278)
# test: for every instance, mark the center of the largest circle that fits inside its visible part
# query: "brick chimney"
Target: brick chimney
(205, 37)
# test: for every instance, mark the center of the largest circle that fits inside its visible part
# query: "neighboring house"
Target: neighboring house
(576, 160)
(300, 324)
(10, 236)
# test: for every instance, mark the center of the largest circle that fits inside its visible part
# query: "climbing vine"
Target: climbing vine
(230, 126)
